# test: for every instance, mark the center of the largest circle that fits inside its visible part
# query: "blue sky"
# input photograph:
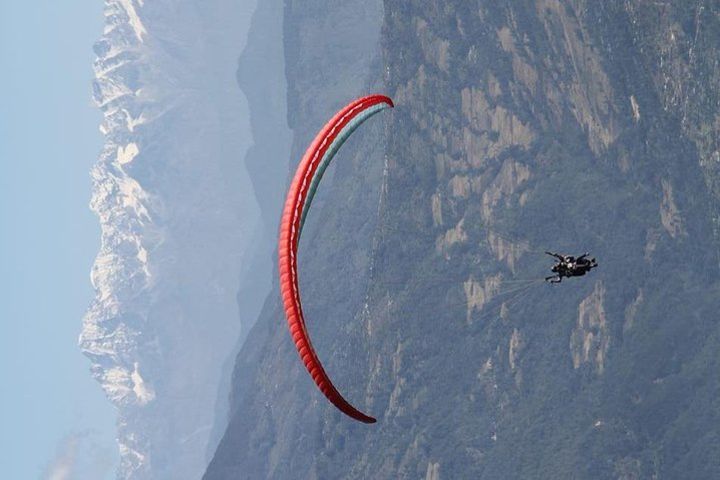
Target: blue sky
(54, 416)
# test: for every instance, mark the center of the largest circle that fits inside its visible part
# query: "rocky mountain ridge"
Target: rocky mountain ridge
(176, 212)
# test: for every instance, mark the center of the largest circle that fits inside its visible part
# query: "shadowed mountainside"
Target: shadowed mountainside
(519, 127)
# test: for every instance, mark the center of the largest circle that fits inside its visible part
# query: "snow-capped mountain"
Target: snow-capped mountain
(176, 211)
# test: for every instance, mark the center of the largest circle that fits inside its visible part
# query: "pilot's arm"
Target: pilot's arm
(559, 257)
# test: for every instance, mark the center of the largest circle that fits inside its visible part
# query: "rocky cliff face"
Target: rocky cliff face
(176, 211)
(519, 127)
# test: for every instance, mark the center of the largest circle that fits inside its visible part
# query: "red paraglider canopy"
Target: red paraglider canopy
(302, 189)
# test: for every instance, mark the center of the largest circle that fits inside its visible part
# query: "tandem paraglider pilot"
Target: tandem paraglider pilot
(569, 266)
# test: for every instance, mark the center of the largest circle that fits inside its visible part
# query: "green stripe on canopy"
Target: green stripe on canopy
(332, 150)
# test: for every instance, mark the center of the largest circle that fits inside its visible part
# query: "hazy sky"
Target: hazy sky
(55, 421)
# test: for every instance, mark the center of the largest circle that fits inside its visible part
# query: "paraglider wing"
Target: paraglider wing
(302, 189)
